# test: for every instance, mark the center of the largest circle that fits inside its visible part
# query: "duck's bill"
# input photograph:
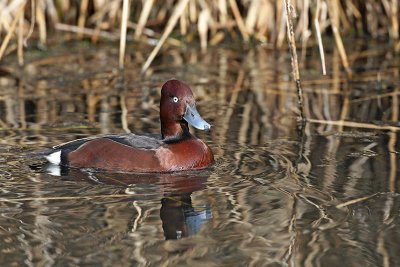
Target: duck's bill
(193, 117)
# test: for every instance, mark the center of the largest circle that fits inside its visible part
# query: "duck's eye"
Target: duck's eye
(175, 99)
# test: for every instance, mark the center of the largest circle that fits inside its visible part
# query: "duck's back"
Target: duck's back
(150, 141)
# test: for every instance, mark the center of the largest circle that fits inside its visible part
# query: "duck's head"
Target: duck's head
(177, 109)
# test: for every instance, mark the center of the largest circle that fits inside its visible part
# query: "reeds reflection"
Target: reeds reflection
(276, 194)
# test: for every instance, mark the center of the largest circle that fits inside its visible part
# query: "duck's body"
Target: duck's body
(176, 149)
(133, 153)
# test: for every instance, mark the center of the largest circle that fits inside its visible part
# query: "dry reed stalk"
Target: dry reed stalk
(345, 24)
(3, 125)
(162, 14)
(150, 33)
(280, 24)
(179, 8)
(264, 21)
(239, 19)
(113, 13)
(192, 11)
(85, 31)
(144, 15)
(124, 25)
(82, 16)
(334, 19)
(252, 15)
(223, 12)
(41, 21)
(203, 28)
(20, 49)
(384, 14)
(97, 4)
(104, 17)
(353, 10)
(395, 19)
(32, 25)
(10, 49)
(337, 78)
(293, 53)
(100, 13)
(51, 11)
(64, 6)
(124, 114)
(302, 24)
(217, 38)
(345, 106)
(397, 47)
(305, 32)
(183, 23)
(354, 201)
(319, 39)
(10, 31)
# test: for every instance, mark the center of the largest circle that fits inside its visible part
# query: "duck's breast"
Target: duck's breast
(184, 155)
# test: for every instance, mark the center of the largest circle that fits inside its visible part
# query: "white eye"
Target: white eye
(175, 99)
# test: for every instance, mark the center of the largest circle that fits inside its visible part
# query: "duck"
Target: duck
(176, 149)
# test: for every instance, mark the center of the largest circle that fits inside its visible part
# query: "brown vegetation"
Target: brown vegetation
(212, 22)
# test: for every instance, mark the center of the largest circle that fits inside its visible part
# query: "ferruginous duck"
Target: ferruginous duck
(176, 150)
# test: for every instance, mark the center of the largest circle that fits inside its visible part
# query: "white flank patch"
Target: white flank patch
(54, 158)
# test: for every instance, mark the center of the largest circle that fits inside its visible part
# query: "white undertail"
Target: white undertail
(54, 158)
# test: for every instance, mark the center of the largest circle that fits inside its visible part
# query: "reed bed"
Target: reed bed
(205, 21)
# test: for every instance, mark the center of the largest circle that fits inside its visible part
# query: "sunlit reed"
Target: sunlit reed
(210, 22)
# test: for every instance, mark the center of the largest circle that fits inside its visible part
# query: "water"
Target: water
(278, 194)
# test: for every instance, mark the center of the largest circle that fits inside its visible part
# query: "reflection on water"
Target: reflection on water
(276, 195)
(179, 218)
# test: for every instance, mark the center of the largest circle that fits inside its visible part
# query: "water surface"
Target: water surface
(280, 193)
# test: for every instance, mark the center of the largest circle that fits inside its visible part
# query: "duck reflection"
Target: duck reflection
(179, 217)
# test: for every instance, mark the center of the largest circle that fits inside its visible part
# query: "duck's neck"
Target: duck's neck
(175, 131)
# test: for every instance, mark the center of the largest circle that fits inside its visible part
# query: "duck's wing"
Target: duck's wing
(138, 141)
(74, 144)
(129, 139)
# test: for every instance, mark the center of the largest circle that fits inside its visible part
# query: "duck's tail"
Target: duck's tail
(54, 157)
